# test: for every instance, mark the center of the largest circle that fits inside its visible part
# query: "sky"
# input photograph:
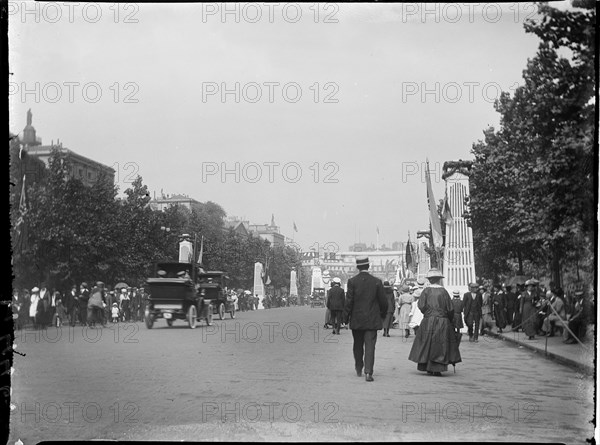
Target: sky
(321, 114)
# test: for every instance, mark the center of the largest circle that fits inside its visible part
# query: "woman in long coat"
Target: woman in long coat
(499, 307)
(435, 345)
(391, 308)
(529, 299)
(404, 305)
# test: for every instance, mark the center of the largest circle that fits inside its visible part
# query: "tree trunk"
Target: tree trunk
(555, 268)
(520, 259)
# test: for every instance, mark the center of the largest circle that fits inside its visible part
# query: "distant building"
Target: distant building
(80, 167)
(238, 226)
(166, 200)
(268, 232)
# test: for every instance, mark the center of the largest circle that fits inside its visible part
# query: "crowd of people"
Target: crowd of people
(42, 307)
(533, 309)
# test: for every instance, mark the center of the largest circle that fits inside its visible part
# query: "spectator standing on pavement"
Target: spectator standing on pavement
(473, 303)
(458, 306)
(435, 345)
(511, 301)
(499, 307)
(84, 296)
(96, 305)
(391, 306)
(405, 303)
(529, 298)
(124, 303)
(365, 309)
(336, 299)
(33, 307)
(487, 320)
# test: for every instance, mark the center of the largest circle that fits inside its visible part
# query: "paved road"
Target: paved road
(278, 375)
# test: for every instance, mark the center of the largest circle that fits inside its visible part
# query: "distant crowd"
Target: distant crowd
(42, 307)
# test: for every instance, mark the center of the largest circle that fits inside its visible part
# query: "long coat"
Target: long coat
(366, 304)
(529, 312)
(391, 307)
(499, 307)
(336, 298)
(435, 345)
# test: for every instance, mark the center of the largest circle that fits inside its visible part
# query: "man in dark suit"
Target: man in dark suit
(511, 302)
(365, 309)
(336, 299)
(473, 303)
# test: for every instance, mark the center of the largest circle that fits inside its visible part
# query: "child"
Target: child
(61, 313)
(115, 313)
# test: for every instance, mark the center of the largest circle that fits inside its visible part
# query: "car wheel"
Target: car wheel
(209, 315)
(191, 316)
(149, 321)
(170, 322)
(232, 313)
(221, 311)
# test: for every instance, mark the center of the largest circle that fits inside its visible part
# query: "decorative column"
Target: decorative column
(185, 249)
(258, 289)
(459, 260)
(424, 263)
(293, 285)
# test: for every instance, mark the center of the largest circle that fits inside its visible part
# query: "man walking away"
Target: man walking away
(365, 309)
(336, 299)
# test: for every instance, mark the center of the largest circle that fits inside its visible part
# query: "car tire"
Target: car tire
(221, 311)
(232, 313)
(209, 315)
(191, 316)
(149, 321)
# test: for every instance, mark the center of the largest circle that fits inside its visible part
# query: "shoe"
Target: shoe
(359, 372)
(369, 377)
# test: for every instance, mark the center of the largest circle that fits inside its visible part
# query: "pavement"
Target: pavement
(578, 356)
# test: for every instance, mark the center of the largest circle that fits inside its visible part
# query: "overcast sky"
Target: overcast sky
(332, 112)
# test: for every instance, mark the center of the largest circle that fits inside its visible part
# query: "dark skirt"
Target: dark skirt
(435, 345)
(529, 317)
(387, 323)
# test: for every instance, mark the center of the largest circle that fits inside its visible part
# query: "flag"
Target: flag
(409, 255)
(295, 228)
(434, 218)
(446, 213)
(23, 209)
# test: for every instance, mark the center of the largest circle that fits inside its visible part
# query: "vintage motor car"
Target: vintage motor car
(212, 287)
(318, 297)
(173, 295)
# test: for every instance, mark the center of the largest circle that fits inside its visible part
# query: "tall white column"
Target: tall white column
(259, 289)
(459, 260)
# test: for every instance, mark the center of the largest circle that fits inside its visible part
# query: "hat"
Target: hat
(84, 284)
(35, 289)
(421, 282)
(473, 285)
(456, 293)
(529, 283)
(362, 261)
(112, 292)
(386, 284)
(115, 303)
(336, 280)
(434, 273)
(405, 288)
(99, 283)
(123, 290)
(578, 292)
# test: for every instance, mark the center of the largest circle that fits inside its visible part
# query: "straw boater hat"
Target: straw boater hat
(362, 260)
(456, 293)
(434, 273)
(35, 289)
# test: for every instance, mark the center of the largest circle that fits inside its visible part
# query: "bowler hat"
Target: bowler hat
(434, 273)
(362, 261)
(386, 284)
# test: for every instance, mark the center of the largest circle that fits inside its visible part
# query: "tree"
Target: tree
(532, 182)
